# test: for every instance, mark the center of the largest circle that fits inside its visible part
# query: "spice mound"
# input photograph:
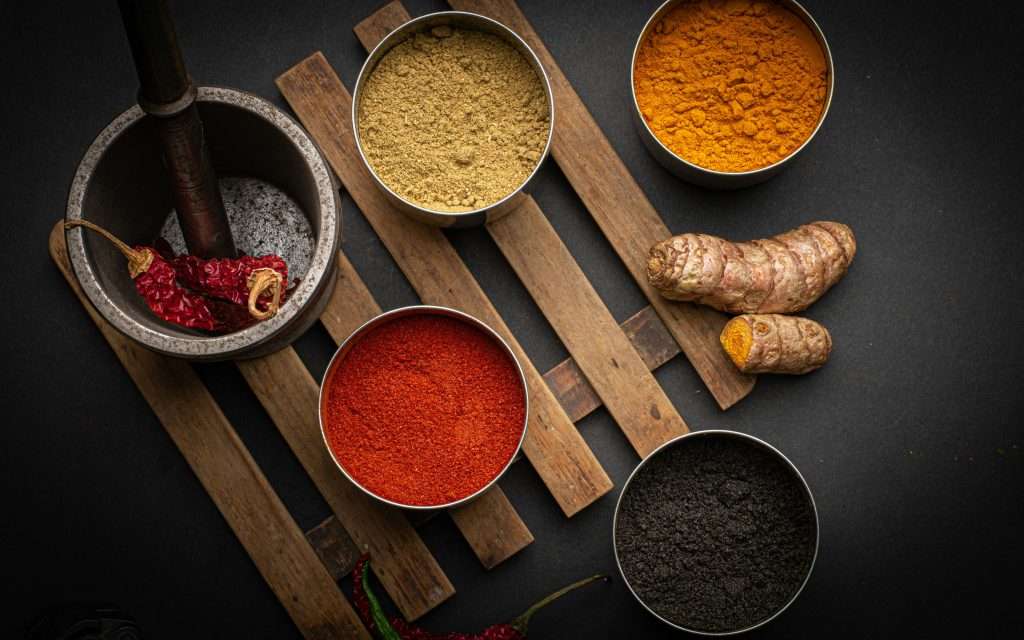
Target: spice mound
(453, 119)
(424, 410)
(731, 86)
(715, 533)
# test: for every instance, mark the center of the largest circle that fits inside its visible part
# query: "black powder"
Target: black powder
(715, 533)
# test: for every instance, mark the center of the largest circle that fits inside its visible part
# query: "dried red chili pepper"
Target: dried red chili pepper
(372, 614)
(258, 282)
(157, 283)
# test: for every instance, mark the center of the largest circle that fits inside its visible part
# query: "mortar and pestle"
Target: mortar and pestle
(153, 171)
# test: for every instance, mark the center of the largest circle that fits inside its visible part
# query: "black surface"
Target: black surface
(909, 437)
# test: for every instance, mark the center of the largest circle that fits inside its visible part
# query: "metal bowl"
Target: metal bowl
(464, 20)
(121, 184)
(402, 312)
(718, 433)
(709, 177)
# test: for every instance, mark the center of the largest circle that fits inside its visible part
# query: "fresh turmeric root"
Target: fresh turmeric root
(772, 343)
(784, 274)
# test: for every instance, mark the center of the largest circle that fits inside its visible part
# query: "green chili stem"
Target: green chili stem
(387, 632)
(521, 622)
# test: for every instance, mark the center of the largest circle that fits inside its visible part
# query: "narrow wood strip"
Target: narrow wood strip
(231, 477)
(380, 23)
(495, 541)
(490, 524)
(405, 566)
(587, 328)
(556, 450)
(334, 546)
(652, 342)
(621, 210)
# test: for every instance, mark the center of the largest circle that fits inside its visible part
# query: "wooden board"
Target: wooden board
(555, 449)
(405, 566)
(490, 523)
(229, 474)
(621, 210)
(586, 327)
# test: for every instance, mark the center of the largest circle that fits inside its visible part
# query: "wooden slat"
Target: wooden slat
(492, 527)
(555, 449)
(490, 524)
(586, 327)
(334, 546)
(229, 474)
(405, 566)
(647, 334)
(621, 210)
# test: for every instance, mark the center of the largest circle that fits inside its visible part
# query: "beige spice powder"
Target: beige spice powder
(453, 119)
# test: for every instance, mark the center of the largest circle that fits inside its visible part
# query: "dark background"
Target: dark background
(910, 438)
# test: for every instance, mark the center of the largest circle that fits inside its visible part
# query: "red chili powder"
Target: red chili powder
(424, 410)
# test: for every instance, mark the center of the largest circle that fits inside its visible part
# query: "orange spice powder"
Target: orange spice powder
(731, 86)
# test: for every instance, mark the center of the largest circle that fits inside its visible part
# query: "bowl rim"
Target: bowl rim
(414, 310)
(199, 345)
(387, 43)
(753, 440)
(819, 35)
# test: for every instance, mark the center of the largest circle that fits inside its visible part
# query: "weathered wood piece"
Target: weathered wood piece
(334, 546)
(621, 210)
(492, 527)
(490, 524)
(586, 327)
(231, 477)
(652, 342)
(405, 566)
(556, 450)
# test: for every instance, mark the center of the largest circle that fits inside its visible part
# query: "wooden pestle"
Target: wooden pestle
(166, 92)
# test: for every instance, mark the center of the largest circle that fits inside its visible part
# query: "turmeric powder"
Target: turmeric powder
(731, 86)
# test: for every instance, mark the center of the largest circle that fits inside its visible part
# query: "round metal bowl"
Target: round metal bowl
(402, 312)
(465, 20)
(121, 184)
(709, 177)
(718, 433)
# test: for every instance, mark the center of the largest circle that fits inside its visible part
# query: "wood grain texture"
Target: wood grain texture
(492, 527)
(586, 327)
(334, 546)
(231, 477)
(405, 566)
(652, 342)
(621, 210)
(490, 524)
(555, 449)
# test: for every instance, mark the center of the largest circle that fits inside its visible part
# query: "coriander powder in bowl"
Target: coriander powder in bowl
(453, 116)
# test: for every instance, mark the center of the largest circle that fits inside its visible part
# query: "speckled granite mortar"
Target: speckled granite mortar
(306, 300)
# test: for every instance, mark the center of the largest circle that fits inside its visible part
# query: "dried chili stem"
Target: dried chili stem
(138, 260)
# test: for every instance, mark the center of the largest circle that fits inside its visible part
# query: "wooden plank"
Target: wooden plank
(380, 23)
(555, 449)
(647, 334)
(231, 477)
(405, 566)
(586, 327)
(334, 546)
(490, 525)
(622, 211)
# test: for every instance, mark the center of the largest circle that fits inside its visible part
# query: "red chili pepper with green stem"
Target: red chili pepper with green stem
(396, 628)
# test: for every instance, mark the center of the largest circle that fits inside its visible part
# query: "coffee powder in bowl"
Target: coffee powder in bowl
(715, 532)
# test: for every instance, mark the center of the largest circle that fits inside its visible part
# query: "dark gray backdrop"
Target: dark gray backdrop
(909, 437)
